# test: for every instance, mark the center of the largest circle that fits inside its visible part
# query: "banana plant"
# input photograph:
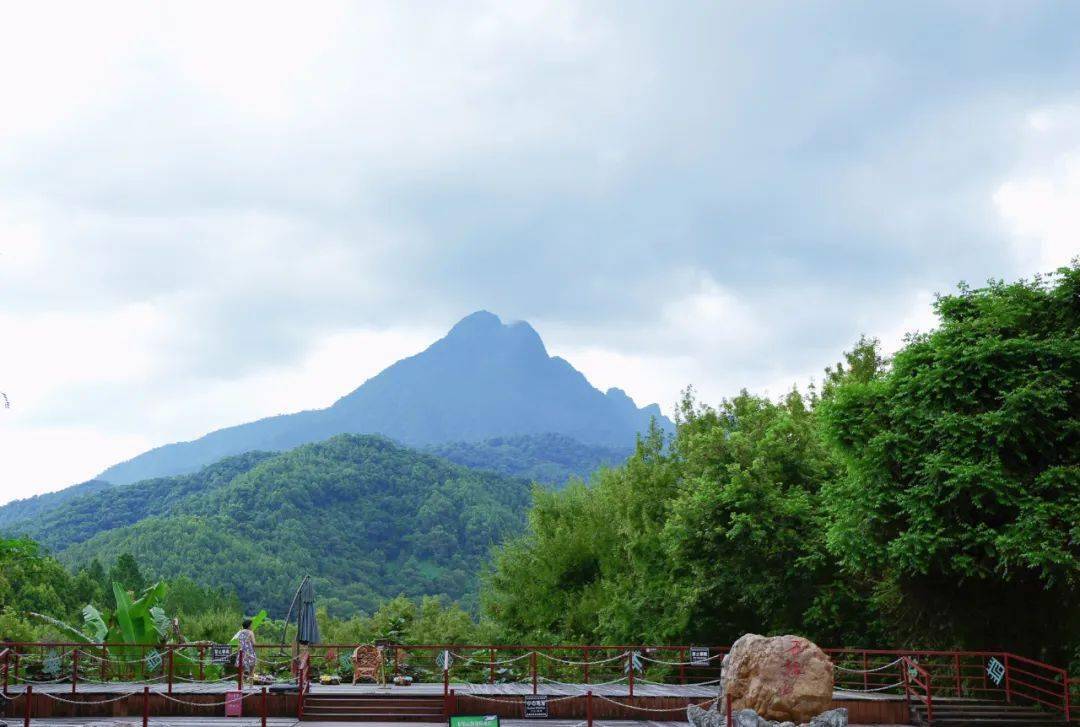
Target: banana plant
(133, 623)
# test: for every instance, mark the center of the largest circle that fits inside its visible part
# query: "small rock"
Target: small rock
(832, 718)
(748, 718)
(699, 717)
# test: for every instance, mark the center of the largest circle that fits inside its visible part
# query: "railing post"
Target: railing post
(145, 706)
(865, 673)
(302, 677)
(588, 708)
(445, 681)
(170, 654)
(1067, 698)
(74, 669)
(532, 666)
(262, 720)
(956, 670)
(1008, 684)
(28, 695)
(585, 658)
(929, 700)
(682, 666)
(727, 709)
(202, 671)
(630, 669)
(453, 701)
(7, 657)
(904, 666)
(491, 670)
(104, 663)
(240, 671)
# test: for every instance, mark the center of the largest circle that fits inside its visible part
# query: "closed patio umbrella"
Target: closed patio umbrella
(307, 628)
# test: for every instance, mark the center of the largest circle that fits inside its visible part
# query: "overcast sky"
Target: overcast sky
(212, 212)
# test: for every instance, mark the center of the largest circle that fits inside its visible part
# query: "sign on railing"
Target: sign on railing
(536, 706)
(699, 655)
(995, 670)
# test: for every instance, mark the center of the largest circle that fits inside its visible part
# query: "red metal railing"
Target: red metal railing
(1034, 681)
(952, 673)
(917, 685)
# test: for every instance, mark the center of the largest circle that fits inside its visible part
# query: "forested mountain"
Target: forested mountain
(484, 379)
(545, 458)
(80, 518)
(367, 518)
(35, 506)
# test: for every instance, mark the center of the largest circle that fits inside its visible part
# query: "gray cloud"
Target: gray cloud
(259, 180)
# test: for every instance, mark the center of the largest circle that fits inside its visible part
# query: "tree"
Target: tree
(961, 491)
(126, 572)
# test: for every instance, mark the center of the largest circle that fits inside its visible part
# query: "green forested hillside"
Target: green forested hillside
(547, 458)
(367, 518)
(34, 507)
(80, 518)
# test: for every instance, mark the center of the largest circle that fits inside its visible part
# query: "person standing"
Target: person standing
(245, 639)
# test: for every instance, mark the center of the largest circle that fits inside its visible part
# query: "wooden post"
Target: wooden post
(586, 660)
(682, 666)
(532, 665)
(491, 670)
(262, 719)
(727, 705)
(865, 673)
(240, 671)
(202, 673)
(28, 695)
(445, 680)
(104, 663)
(7, 656)
(74, 669)
(588, 708)
(145, 706)
(630, 670)
(397, 661)
(170, 669)
(956, 669)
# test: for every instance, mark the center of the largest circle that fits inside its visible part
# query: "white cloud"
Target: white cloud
(1039, 200)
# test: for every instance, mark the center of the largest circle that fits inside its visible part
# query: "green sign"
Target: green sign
(490, 720)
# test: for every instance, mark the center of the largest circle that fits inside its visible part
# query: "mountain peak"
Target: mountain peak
(482, 321)
(484, 329)
(484, 379)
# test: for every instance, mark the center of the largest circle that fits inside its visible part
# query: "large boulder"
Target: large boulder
(781, 678)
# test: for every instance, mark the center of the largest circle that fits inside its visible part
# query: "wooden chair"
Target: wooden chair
(368, 662)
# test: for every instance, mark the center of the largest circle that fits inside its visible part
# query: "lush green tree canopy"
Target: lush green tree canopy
(961, 486)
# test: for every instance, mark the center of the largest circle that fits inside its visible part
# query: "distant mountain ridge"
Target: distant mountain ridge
(484, 379)
(366, 517)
